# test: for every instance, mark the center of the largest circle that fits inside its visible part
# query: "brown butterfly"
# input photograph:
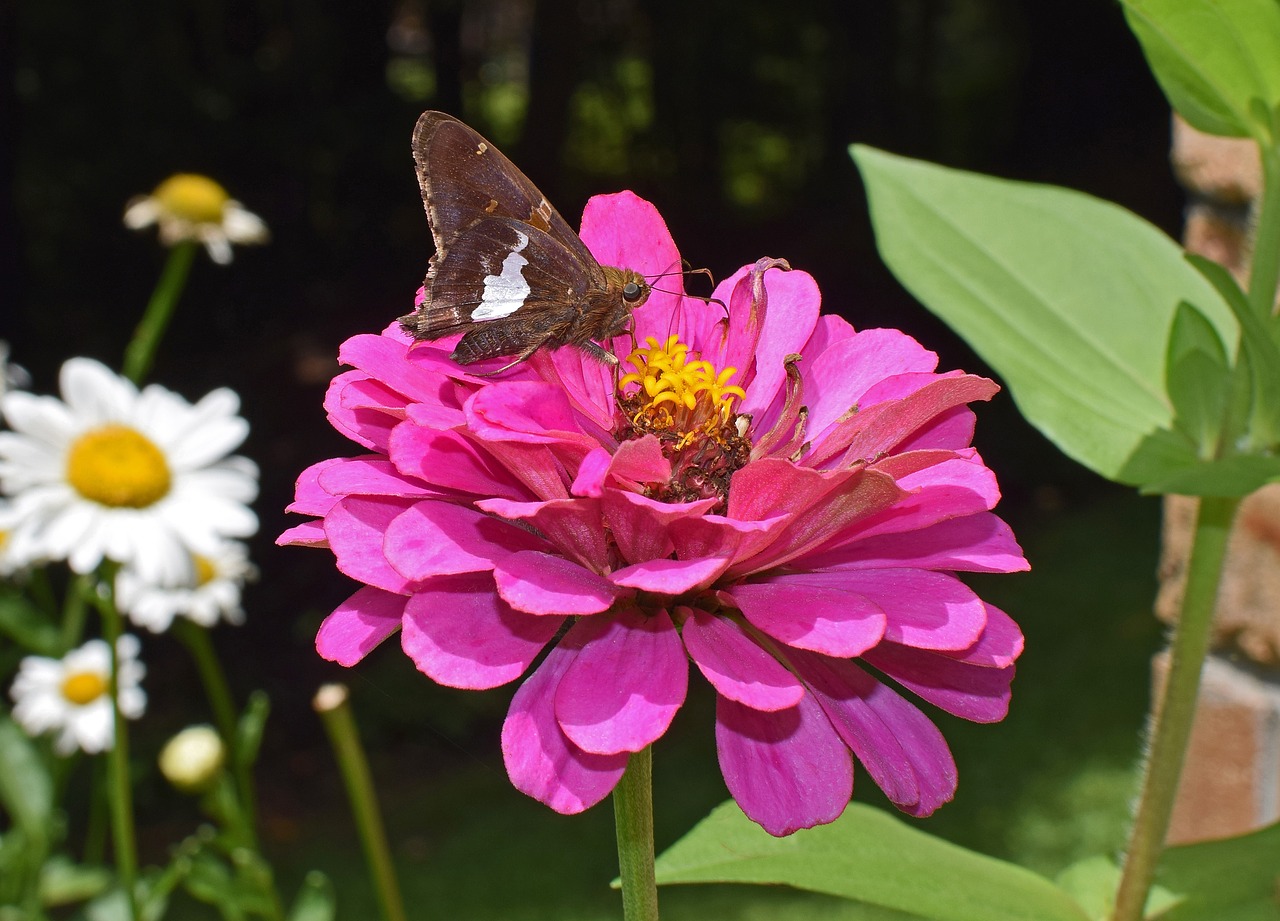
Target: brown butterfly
(508, 272)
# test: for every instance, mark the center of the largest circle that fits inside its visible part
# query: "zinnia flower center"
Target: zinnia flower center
(193, 198)
(118, 467)
(83, 688)
(688, 405)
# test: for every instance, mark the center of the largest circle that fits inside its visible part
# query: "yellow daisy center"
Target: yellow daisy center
(193, 198)
(118, 467)
(206, 571)
(688, 404)
(83, 688)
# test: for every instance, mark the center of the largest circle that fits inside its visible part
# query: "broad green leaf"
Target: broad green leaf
(252, 723)
(26, 625)
(1093, 883)
(1069, 298)
(315, 900)
(1218, 61)
(1230, 880)
(26, 790)
(868, 856)
(1231, 476)
(1197, 378)
(63, 882)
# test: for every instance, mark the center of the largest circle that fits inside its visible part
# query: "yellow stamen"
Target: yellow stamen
(118, 467)
(667, 376)
(193, 198)
(206, 572)
(83, 688)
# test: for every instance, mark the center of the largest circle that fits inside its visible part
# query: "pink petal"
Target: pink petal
(791, 312)
(952, 429)
(309, 497)
(812, 613)
(386, 359)
(972, 692)
(540, 583)
(573, 526)
(307, 534)
(434, 538)
(902, 750)
(462, 635)
(736, 666)
(974, 543)
(640, 526)
(356, 528)
(927, 610)
(450, 460)
(787, 770)
(669, 577)
(530, 412)
(586, 382)
(640, 461)
(370, 476)
(540, 759)
(367, 427)
(589, 481)
(359, 624)
(829, 330)
(626, 683)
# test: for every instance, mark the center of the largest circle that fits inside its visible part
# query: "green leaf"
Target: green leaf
(1231, 476)
(1234, 879)
(26, 625)
(26, 789)
(63, 882)
(868, 856)
(1197, 378)
(1093, 882)
(252, 723)
(1218, 61)
(315, 900)
(1070, 299)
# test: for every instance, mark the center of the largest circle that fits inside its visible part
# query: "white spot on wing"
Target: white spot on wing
(504, 294)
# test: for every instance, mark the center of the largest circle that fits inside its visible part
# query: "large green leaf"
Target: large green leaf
(1070, 298)
(1234, 879)
(26, 789)
(868, 856)
(1218, 61)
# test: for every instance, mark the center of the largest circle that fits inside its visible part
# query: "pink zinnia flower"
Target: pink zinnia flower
(777, 497)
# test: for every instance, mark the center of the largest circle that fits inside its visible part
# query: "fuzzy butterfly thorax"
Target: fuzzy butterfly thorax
(509, 273)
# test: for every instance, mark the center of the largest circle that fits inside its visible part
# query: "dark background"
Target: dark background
(732, 117)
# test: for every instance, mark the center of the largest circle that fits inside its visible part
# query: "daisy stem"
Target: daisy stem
(141, 351)
(1172, 713)
(214, 679)
(75, 607)
(633, 816)
(332, 702)
(123, 836)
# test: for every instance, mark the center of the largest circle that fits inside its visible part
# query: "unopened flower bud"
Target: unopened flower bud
(193, 759)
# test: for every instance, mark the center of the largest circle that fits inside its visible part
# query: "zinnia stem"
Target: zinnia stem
(1172, 714)
(141, 351)
(633, 815)
(332, 703)
(197, 641)
(120, 796)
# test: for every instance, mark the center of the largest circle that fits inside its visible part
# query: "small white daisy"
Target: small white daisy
(71, 695)
(108, 472)
(212, 591)
(12, 377)
(188, 206)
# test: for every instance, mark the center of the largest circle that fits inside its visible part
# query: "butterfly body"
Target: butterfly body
(508, 272)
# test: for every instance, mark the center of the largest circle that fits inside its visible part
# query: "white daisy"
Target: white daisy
(71, 695)
(110, 473)
(192, 207)
(212, 591)
(12, 377)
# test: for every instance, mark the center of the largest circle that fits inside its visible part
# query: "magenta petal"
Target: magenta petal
(812, 613)
(670, 577)
(787, 770)
(529, 412)
(589, 481)
(450, 460)
(439, 538)
(310, 498)
(736, 666)
(356, 529)
(370, 476)
(462, 635)
(359, 624)
(972, 692)
(973, 543)
(571, 525)
(928, 610)
(625, 230)
(626, 684)
(902, 750)
(540, 759)
(540, 583)
(307, 534)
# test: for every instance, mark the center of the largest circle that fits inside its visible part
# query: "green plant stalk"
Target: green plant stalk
(75, 607)
(1264, 273)
(633, 816)
(214, 679)
(340, 725)
(141, 351)
(1173, 713)
(124, 839)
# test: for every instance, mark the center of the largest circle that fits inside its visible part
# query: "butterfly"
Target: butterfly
(508, 272)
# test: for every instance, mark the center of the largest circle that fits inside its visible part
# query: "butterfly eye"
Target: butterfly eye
(630, 291)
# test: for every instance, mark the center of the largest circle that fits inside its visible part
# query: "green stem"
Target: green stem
(1174, 711)
(75, 608)
(633, 816)
(124, 838)
(1264, 273)
(332, 703)
(141, 351)
(214, 679)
